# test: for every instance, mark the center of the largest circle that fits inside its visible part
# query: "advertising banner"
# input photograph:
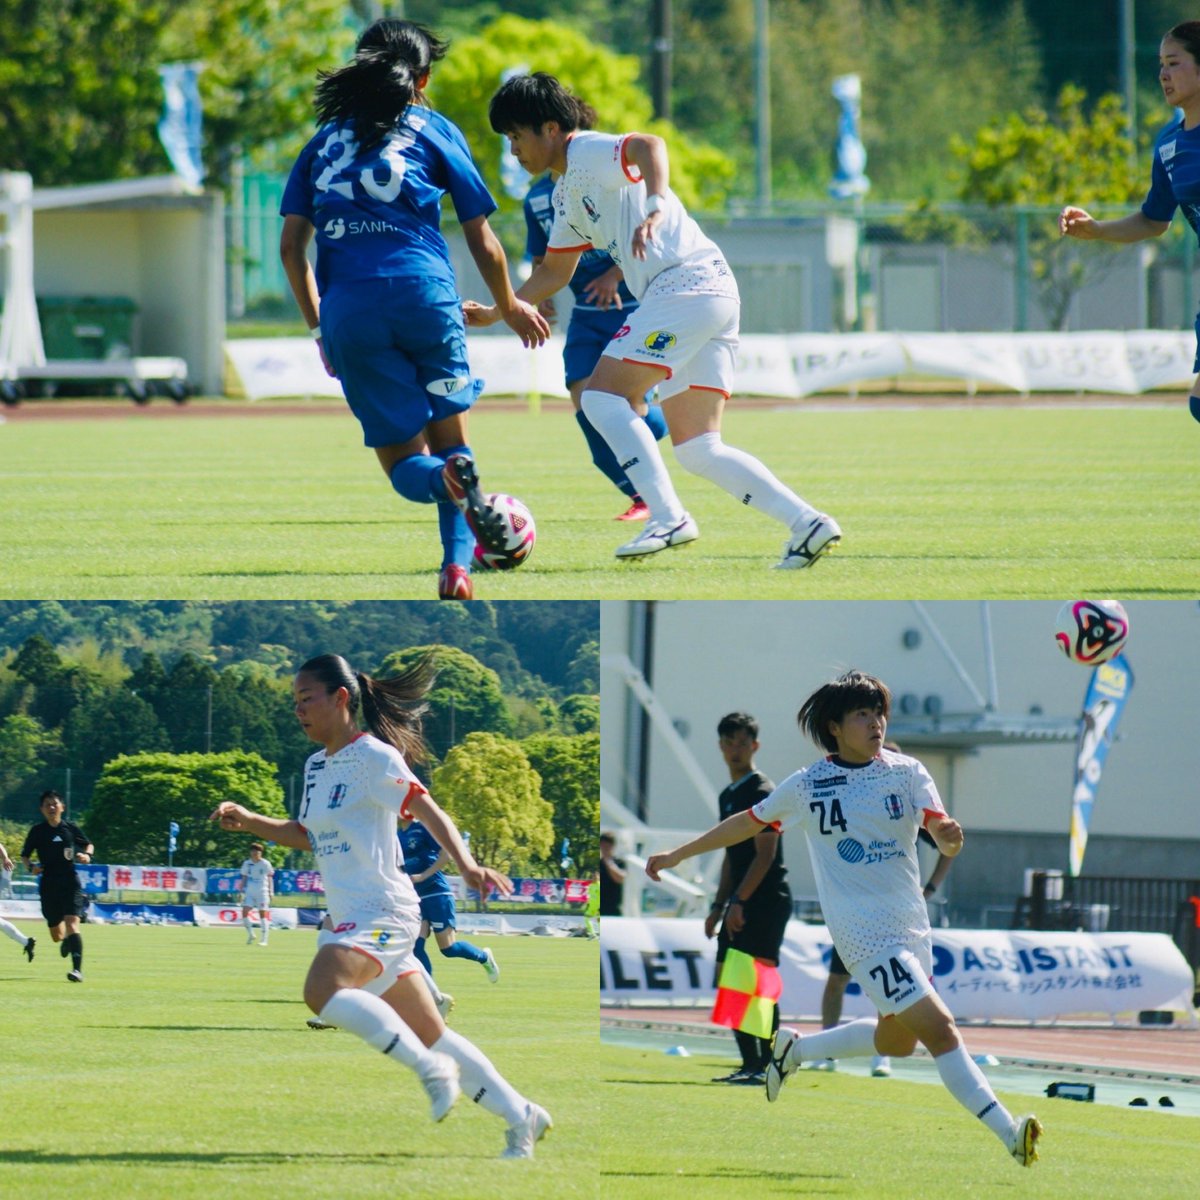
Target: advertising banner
(980, 974)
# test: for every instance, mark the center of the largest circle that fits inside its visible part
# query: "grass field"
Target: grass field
(937, 502)
(852, 1136)
(183, 1068)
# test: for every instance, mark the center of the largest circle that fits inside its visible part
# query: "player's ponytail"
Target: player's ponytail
(393, 708)
(383, 78)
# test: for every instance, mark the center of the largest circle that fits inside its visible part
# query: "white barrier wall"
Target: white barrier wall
(797, 365)
(980, 974)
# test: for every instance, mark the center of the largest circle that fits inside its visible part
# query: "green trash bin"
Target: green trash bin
(98, 327)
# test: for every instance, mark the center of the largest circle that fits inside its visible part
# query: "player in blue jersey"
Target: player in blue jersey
(424, 859)
(602, 302)
(382, 303)
(1175, 171)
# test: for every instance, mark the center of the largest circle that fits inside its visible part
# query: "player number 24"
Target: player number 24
(831, 820)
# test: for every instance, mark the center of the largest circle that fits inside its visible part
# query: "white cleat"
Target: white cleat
(821, 1064)
(317, 1023)
(654, 538)
(445, 1004)
(441, 1086)
(881, 1066)
(489, 965)
(523, 1136)
(1025, 1144)
(807, 546)
(782, 1064)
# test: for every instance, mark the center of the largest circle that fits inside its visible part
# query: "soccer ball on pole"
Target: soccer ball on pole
(1091, 631)
(520, 533)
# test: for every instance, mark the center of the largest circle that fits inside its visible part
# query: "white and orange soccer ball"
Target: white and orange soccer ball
(520, 534)
(1091, 631)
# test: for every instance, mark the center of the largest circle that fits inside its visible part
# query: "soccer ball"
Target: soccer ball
(1091, 631)
(520, 533)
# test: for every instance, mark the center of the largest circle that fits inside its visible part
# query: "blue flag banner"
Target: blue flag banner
(849, 180)
(1103, 703)
(179, 126)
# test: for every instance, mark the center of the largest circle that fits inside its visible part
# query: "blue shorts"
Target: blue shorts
(399, 347)
(1196, 364)
(438, 911)
(589, 331)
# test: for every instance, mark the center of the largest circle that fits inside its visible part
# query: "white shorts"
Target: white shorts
(896, 978)
(694, 335)
(386, 940)
(249, 900)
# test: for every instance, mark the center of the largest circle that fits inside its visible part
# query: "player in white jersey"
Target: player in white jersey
(7, 928)
(614, 195)
(365, 977)
(256, 886)
(860, 809)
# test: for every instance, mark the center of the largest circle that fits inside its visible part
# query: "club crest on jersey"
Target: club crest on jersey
(337, 795)
(589, 207)
(380, 937)
(894, 806)
(660, 340)
(335, 228)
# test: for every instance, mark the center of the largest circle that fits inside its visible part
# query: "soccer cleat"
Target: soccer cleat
(881, 1066)
(454, 583)
(441, 1086)
(1025, 1145)
(733, 1077)
(654, 538)
(489, 965)
(637, 511)
(781, 1064)
(445, 1004)
(317, 1023)
(462, 486)
(523, 1136)
(751, 1078)
(29, 945)
(76, 976)
(805, 548)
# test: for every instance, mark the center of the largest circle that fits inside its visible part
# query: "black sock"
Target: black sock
(748, 1047)
(73, 945)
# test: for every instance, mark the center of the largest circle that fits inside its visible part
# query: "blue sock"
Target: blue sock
(1194, 405)
(656, 422)
(465, 950)
(603, 458)
(419, 478)
(422, 956)
(458, 542)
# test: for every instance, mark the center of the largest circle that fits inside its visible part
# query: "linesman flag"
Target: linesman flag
(1108, 689)
(746, 994)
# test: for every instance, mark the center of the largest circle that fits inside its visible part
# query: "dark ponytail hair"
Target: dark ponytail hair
(846, 693)
(382, 79)
(1187, 34)
(392, 708)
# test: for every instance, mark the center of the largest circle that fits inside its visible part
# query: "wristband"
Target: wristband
(736, 900)
(315, 331)
(653, 203)
(717, 905)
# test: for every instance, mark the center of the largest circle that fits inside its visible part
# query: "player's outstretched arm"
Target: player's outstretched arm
(733, 829)
(234, 817)
(444, 831)
(520, 316)
(1136, 227)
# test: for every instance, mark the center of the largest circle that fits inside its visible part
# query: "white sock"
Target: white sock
(969, 1086)
(480, 1080)
(853, 1040)
(631, 441)
(377, 1023)
(13, 932)
(266, 925)
(249, 926)
(744, 478)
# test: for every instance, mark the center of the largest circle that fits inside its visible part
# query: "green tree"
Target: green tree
(580, 714)
(487, 785)
(108, 724)
(183, 701)
(463, 84)
(24, 743)
(138, 796)
(466, 696)
(1076, 154)
(569, 768)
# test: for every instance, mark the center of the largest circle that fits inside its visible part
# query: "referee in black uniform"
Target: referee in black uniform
(753, 903)
(59, 845)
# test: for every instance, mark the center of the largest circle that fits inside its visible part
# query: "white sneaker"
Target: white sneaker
(782, 1063)
(445, 1003)
(806, 547)
(493, 971)
(881, 1066)
(1025, 1144)
(522, 1137)
(441, 1086)
(654, 538)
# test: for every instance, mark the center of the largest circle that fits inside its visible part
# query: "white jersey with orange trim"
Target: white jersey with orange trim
(600, 200)
(351, 803)
(862, 823)
(258, 881)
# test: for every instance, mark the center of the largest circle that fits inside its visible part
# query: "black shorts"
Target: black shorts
(836, 966)
(762, 934)
(61, 898)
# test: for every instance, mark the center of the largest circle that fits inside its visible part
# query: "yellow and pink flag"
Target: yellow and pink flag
(747, 993)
